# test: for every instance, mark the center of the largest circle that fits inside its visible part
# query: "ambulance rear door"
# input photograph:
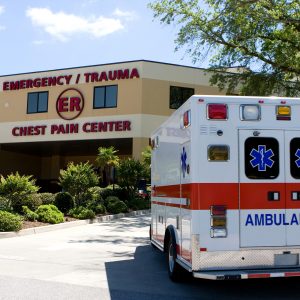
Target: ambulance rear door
(262, 194)
(292, 149)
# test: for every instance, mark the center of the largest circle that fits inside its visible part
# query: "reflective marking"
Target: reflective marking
(164, 200)
(183, 161)
(297, 162)
(262, 158)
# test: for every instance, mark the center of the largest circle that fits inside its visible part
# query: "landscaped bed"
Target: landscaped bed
(32, 224)
(22, 206)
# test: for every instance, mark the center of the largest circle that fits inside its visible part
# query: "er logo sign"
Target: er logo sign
(69, 104)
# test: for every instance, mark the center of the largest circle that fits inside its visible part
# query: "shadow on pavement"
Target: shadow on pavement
(145, 277)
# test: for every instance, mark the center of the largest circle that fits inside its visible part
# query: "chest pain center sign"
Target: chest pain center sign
(69, 106)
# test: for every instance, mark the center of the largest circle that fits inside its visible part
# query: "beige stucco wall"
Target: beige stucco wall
(148, 94)
(144, 101)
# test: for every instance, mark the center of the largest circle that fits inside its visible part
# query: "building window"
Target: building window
(178, 95)
(105, 96)
(37, 102)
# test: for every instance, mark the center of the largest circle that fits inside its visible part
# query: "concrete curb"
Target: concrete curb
(47, 228)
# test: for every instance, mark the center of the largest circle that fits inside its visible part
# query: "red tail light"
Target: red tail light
(218, 210)
(218, 221)
(217, 111)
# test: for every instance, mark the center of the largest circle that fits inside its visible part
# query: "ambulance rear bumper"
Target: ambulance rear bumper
(247, 274)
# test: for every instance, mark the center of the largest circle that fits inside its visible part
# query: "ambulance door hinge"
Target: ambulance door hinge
(177, 222)
(295, 195)
(274, 196)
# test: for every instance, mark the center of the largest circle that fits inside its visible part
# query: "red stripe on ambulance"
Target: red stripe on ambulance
(255, 196)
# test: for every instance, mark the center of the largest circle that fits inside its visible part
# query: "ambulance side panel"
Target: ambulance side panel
(187, 183)
(216, 181)
(166, 175)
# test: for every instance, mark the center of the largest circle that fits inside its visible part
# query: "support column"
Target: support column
(55, 166)
(138, 146)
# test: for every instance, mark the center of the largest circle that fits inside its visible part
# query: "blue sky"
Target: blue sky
(39, 35)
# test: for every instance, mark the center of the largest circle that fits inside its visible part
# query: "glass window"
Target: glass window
(178, 95)
(295, 157)
(37, 102)
(261, 158)
(105, 96)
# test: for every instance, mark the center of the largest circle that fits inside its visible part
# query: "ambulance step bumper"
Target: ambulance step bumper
(247, 274)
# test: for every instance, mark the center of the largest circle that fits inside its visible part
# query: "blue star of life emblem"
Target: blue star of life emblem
(183, 162)
(297, 161)
(262, 158)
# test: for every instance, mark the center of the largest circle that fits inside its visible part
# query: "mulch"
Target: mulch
(31, 224)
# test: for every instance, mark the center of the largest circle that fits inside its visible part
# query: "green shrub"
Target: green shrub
(82, 213)
(18, 189)
(92, 197)
(64, 201)
(100, 209)
(49, 214)
(107, 193)
(110, 199)
(32, 201)
(10, 222)
(130, 172)
(29, 215)
(77, 178)
(115, 205)
(95, 193)
(47, 198)
(138, 203)
(5, 204)
(86, 214)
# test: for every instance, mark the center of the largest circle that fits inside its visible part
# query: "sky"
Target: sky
(39, 35)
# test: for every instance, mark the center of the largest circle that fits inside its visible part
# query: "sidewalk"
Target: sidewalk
(46, 228)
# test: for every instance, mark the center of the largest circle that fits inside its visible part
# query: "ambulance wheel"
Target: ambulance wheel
(174, 269)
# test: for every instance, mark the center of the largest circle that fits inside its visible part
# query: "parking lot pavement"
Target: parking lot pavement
(66, 260)
(111, 260)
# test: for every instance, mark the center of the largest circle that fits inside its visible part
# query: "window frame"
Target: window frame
(37, 111)
(181, 95)
(105, 87)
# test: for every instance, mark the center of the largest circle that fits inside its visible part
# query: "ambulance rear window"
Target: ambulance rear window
(261, 158)
(295, 157)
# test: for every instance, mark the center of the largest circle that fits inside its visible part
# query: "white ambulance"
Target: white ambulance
(225, 198)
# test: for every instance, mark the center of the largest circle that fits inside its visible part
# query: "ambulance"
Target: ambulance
(225, 199)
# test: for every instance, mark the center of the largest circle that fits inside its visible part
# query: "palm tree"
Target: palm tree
(106, 161)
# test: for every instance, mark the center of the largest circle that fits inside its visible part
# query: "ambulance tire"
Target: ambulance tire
(174, 269)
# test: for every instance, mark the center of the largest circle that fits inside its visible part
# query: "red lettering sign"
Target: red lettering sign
(70, 104)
